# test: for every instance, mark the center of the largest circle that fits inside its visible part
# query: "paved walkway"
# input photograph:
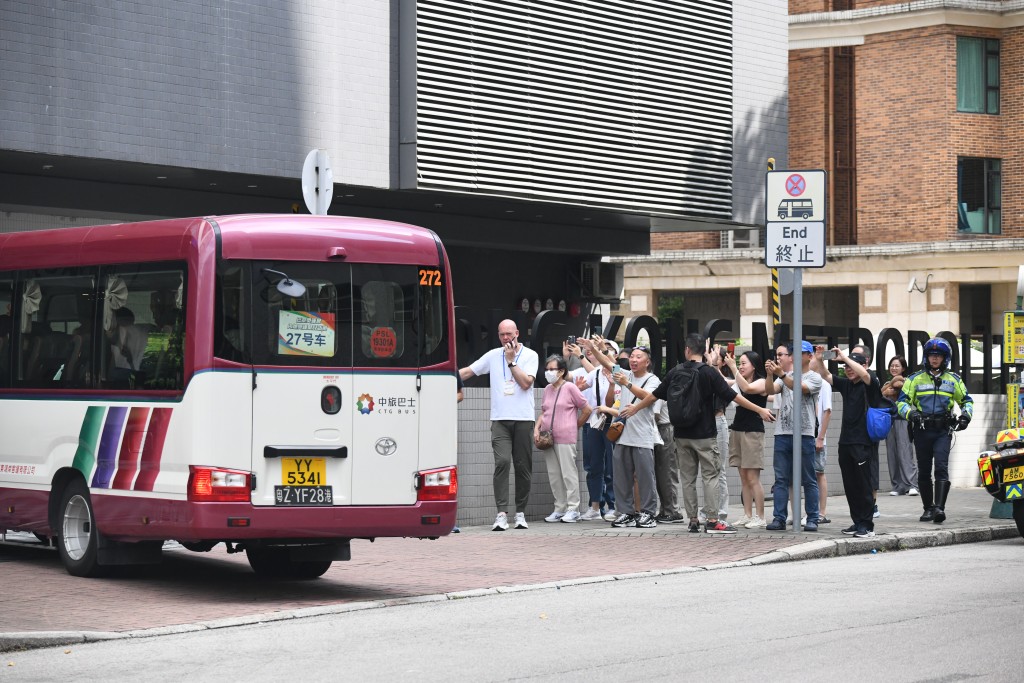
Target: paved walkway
(41, 604)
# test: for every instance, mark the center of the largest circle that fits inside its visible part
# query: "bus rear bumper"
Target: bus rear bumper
(134, 519)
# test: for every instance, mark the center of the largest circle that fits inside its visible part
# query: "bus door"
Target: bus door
(302, 396)
(387, 383)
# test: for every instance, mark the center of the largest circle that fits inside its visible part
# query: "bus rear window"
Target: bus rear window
(341, 315)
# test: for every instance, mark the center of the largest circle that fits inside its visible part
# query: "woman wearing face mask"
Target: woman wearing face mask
(563, 411)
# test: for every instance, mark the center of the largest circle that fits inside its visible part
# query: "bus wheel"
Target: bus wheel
(1018, 515)
(79, 538)
(275, 563)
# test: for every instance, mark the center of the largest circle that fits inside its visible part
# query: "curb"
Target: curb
(812, 550)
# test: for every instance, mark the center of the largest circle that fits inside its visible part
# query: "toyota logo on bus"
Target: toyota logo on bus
(386, 446)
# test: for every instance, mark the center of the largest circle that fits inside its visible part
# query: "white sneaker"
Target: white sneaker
(500, 522)
(894, 493)
(913, 492)
(553, 517)
(756, 523)
(521, 521)
(611, 515)
(803, 521)
(571, 517)
(742, 521)
(591, 515)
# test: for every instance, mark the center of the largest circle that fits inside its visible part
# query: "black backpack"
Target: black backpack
(683, 396)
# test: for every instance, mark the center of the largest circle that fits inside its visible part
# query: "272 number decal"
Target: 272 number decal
(430, 277)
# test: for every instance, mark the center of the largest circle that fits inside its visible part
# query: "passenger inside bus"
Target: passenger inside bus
(127, 348)
(78, 370)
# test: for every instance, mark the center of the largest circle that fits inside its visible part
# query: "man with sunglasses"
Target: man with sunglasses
(780, 374)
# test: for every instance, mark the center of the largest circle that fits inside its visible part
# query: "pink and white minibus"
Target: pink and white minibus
(281, 384)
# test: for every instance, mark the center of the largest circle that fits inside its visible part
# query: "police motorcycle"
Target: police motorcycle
(1002, 472)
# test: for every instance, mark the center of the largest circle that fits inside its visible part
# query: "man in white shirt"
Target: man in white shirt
(512, 368)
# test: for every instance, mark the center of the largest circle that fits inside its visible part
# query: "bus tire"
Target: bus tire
(275, 563)
(78, 538)
(1018, 515)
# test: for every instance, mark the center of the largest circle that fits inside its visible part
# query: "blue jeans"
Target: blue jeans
(784, 476)
(597, 463)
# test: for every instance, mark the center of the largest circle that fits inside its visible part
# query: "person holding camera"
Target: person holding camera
(633, 453)
(781, 382)
(598, 388)
(512, 368)
(926, 401)
(854, 442)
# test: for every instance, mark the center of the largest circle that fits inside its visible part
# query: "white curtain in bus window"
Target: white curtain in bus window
(306, 333)
(115, 296)
(382, 333)
(30, 304)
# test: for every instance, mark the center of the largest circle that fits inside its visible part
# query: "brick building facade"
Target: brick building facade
(924, 186)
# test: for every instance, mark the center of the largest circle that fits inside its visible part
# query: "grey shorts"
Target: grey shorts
(819, 459)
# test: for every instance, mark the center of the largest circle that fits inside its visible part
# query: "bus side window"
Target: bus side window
(144, 327)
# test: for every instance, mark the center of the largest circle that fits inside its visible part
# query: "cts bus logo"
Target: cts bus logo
(386, 446)
(365, 404)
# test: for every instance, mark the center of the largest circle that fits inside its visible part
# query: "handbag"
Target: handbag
(615, 429)
(546, 438)
(879, 420)
(619, 423)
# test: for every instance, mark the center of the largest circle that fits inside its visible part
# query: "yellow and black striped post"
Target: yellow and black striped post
(776, 305)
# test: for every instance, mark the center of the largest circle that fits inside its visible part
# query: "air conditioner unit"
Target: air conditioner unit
(739, 239)
(601, 280)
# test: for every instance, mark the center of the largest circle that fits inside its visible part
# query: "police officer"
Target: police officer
(926, 402)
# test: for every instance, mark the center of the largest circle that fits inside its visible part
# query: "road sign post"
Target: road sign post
(795, 211)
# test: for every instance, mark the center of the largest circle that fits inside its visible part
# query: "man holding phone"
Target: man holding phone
(512, 368)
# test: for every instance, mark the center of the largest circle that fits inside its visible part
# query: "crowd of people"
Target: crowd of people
(645, 440)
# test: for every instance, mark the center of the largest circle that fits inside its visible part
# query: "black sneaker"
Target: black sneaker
(824, 520)
(694, 527)
(777, 525)
(645, 521)
(666, 518)
(624, 521)
(850, 530)
(719, 527)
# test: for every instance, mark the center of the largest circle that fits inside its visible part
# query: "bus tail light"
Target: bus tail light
(217, 485)
(439, 484)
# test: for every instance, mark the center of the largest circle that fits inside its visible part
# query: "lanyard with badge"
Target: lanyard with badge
(510, 381)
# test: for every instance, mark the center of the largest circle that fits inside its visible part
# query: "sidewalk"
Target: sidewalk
(42, 605)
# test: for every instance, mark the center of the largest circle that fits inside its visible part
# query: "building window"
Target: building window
(979, 195)
(977, 75)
